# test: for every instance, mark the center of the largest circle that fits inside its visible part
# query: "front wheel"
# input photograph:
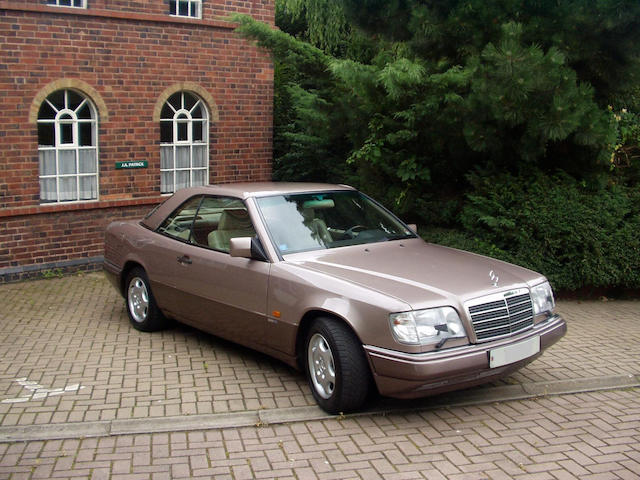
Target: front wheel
(337, 369)
(142, 309)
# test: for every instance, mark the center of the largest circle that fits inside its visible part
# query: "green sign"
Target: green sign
(136, 164)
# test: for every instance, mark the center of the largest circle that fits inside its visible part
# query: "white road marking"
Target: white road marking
(40, 392)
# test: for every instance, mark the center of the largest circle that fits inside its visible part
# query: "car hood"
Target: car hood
(418, 273)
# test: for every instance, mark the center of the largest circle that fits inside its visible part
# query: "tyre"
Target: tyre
(142, 309)
(337, 369)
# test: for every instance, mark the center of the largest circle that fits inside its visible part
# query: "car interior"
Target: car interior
(210, 222)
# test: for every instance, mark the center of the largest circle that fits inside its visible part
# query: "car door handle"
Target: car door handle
(185, 260)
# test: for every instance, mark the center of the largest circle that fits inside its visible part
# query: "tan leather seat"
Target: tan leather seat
(317, 226)
(233, 223)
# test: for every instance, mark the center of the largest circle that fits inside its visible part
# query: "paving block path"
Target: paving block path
(73, 331)
(582, 436)
(69, 357)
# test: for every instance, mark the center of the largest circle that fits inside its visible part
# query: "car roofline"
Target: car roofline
(264, 189)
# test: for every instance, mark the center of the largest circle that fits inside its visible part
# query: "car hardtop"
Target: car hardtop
(242, 191)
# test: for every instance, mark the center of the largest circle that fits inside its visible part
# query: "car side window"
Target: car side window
(209, 222)
(220, 219)
(179, 224)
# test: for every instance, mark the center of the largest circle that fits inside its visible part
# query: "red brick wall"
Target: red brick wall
(262, 10)
(129, 52)
(52, 241)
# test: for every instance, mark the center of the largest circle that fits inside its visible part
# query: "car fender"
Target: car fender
(125, 247)
(296, 293)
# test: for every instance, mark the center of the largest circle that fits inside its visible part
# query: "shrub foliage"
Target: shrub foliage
(554, 224)
(513, 124)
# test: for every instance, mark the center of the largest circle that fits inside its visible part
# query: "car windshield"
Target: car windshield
(314, 221)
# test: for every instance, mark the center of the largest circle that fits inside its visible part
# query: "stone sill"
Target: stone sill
(79, 206)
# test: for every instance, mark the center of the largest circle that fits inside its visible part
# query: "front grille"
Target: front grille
(505, 314)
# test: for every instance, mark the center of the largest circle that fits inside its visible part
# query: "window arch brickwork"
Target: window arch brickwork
(72, 83)
(210, 103)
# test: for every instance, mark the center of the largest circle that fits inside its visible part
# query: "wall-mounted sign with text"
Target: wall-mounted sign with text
(136, 164)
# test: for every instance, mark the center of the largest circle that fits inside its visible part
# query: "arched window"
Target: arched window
(184, 142)
(68, 148)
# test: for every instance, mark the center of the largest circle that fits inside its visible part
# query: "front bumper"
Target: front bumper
(405, 375)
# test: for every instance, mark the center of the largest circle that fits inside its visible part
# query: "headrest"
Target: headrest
(234, 219)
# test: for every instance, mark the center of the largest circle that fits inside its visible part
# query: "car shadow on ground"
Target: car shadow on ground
(375, 403)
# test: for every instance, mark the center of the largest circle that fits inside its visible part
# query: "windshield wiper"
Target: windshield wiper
(399, 236)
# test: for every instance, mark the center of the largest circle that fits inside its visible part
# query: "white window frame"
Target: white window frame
(193, 6)
(179, 117)
(61, 3)
(67, 116)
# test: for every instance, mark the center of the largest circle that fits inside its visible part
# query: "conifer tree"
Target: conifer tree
(407, 97)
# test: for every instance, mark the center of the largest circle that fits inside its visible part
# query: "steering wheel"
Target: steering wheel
(353, 231)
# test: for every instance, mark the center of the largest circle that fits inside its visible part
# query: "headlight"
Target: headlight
(422, 327)
(542, 297)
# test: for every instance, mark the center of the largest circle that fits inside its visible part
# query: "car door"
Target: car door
(207, 288)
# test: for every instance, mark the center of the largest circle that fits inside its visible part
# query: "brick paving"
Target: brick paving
(68, 355)
(586, 436)
(74, 330)
(71, 331)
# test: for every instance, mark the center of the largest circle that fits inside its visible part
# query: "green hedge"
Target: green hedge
(576, 236)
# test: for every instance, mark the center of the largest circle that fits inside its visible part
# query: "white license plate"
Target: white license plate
(513, 353)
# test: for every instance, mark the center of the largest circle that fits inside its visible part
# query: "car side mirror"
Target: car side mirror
(413, 227)
(247, 247)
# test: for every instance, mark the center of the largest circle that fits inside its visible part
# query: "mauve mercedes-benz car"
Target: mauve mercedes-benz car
(327, 280)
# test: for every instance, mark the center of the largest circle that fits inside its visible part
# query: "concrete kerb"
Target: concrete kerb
(258, 418)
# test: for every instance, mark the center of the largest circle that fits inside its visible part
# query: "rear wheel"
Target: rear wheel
(143, 311)
(337, 369)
